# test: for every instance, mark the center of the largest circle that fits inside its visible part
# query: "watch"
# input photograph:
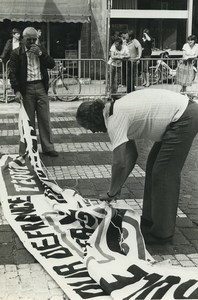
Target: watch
(40, 53)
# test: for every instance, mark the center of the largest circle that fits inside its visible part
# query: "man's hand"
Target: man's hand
(105, 197)
(18, 97)
(36, 50)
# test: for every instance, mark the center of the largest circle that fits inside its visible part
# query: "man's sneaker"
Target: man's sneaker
(52, 153)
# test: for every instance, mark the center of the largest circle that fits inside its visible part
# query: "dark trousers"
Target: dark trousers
(129, 75)
(36, 102)
(163, 172)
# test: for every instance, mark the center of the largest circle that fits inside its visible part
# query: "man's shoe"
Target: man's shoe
(52, 153)
(150, 239)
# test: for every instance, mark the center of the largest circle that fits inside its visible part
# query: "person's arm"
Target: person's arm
(45, 59)
(147, 37)
(124, 159)
(14, 71)
(14, 74)
(6, 51)
(115, 55)
(139, 50)
(126, 52)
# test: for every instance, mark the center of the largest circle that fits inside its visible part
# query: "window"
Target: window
(123, 4)
(164, 5)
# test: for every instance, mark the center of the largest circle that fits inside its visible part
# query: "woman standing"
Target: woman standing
(146, 53)
(185, 73)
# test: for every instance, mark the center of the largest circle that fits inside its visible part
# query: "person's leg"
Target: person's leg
(147, 198)
(29, 103)
(147, 80)
(43, 118)
(134, 75)
(124, 72)
(183, 89)
(166, 171)
(113, 79)
(129, 77)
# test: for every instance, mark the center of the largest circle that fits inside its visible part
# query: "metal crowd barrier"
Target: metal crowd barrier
(80, 77)
(2, 82)
(85, 78)
(160, 73)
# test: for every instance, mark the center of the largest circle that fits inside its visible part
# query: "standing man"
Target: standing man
(11, 44)
(135, 52)
(29, 80)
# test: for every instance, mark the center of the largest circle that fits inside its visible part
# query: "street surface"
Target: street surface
(84, 163)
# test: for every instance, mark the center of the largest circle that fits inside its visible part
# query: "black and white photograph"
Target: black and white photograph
(98, 149)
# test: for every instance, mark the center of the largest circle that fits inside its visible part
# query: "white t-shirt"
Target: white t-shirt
(144, 114)
(135, 49)
(15, 44)
(190, 51)
(119, 54)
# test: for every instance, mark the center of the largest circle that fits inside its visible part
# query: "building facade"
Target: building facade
(169, 21)
(83, 28)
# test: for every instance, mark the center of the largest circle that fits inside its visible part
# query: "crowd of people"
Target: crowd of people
(125, 54)
(125, 66)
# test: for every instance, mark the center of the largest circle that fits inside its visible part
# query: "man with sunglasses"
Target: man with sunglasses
(30, 82)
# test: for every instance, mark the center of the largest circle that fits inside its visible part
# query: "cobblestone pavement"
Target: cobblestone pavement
(84, 163)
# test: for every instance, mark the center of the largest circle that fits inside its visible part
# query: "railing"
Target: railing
(2, 81)
(156, 73)
(90, 74)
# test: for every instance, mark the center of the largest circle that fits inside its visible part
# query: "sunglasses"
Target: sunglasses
(31, 39)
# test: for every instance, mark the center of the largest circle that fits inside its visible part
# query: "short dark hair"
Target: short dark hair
(16, 30)
(192, 37)
(131, 35)
(118, 40)
(90, 112)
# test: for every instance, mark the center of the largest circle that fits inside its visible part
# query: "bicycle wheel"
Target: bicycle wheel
(154, 75)
(66, 88)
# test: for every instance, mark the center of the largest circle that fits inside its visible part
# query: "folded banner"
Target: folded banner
(91, 251)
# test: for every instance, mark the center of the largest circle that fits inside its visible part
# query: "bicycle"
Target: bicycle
(65, 86)
(162, 72)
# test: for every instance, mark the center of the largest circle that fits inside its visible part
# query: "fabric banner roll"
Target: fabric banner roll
(91, 251)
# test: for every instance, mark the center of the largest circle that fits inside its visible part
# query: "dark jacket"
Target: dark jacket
(18, 69)
(5, 56)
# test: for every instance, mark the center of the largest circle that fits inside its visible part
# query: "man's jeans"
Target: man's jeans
(163, 172)
(36, 101)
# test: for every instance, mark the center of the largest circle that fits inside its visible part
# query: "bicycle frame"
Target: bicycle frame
(164, 66)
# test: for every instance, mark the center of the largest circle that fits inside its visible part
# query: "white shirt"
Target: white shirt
(144, 114)
(190, 51)
(135, 49)
(124, 52)
(33, 66)
(15, 44)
